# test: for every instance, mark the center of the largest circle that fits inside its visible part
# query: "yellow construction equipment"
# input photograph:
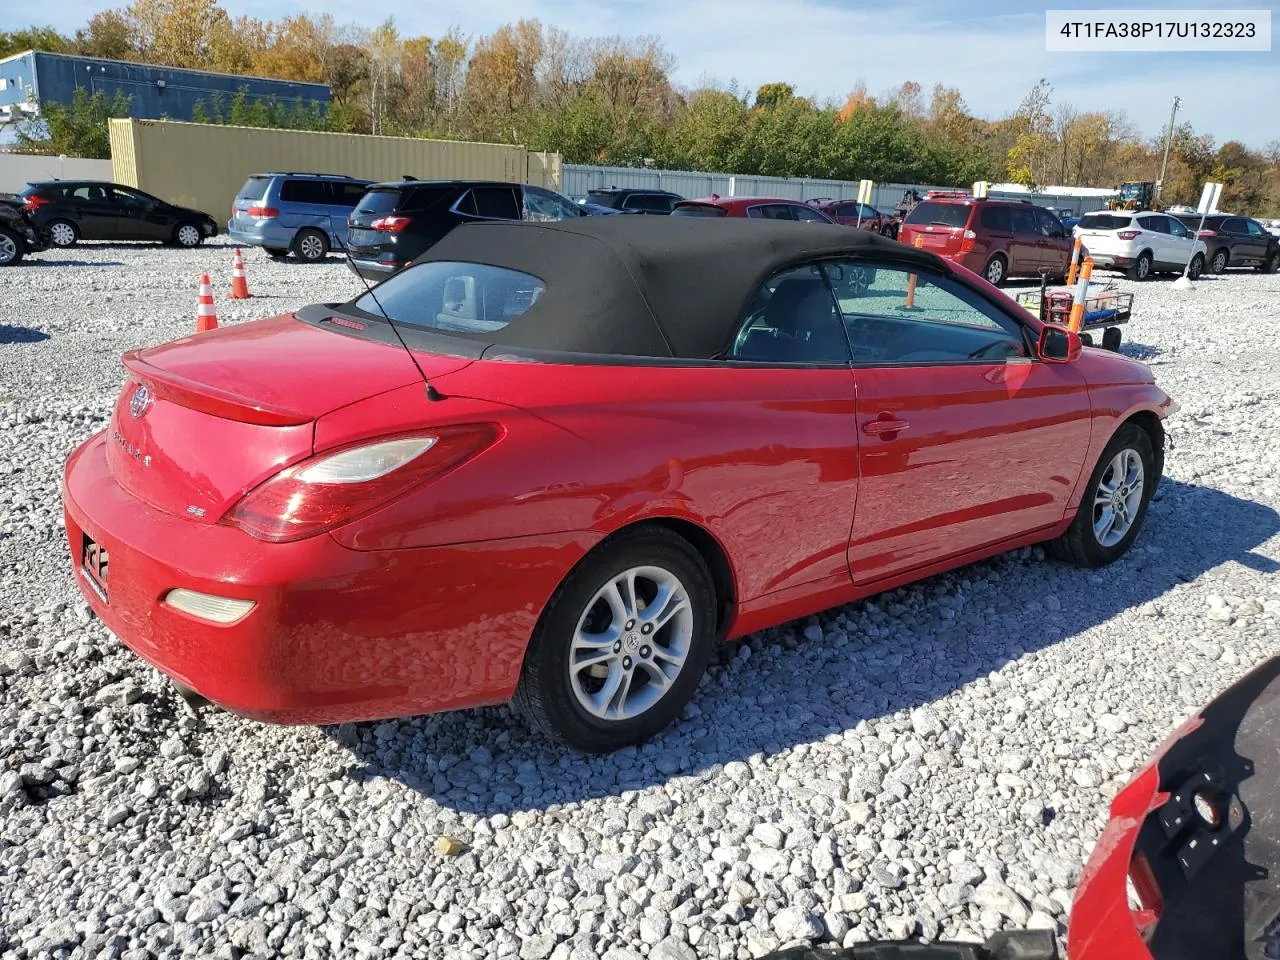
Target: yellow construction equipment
(1133, 195)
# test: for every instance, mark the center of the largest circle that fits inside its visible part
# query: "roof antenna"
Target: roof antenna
(432, 393)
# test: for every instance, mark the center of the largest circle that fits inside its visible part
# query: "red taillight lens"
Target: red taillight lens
(34, 203)
(263, 212)
(968, 240)
(1207, 233)
(1128, 234)
(337, 486)
(391, 224)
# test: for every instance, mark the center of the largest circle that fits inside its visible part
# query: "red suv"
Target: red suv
(995, 238)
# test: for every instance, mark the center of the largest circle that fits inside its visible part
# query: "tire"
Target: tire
(996, 271)
(1218, 264)
(1141, 269)
(187, 235)
(12, 248)
(310, 245)
(1111, 339)
(277, 253)
(557, 701)
(63, 233)
(1196, 268)
(1271, 264)
(1081, 544)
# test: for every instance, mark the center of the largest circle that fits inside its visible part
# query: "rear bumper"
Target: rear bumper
(262, 233)
(335, 634)
(375, 269)
(1111, 259)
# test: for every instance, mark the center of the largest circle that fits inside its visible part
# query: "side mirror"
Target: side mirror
(1058, 345)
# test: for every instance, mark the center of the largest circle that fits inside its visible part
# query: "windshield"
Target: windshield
(1131, 191)
(378, 201)
(953, 215)
(454, 297)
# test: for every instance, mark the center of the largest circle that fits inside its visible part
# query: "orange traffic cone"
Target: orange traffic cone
(206, 318)
(239, 285)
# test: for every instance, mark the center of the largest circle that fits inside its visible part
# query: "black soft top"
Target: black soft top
(650, 286)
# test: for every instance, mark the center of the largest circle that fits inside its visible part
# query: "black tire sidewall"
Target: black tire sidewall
(1225, 260)
(1004, 271)
(1196, 268)
(177, 236)
(301, 236)
(75, 234)
(1138, 273)
(1095, 554)
(545, 690)
(19, 246)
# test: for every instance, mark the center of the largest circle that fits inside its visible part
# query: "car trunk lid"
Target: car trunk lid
(938, 227)
(203, 419)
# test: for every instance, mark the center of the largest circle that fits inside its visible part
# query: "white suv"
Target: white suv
(1140, 242)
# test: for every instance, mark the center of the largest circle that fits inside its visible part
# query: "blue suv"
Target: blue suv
(300, 213)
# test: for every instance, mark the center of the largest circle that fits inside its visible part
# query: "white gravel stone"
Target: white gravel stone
(936, 760)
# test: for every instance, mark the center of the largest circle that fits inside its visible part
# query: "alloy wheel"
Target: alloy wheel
(8, 249)
(1219, 262)
(995, 272)
(1118, 498)
(631, 643)
(311, 247)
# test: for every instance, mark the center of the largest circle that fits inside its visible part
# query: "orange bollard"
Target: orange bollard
(206, 317)
(1075, 262)
(239, 285)
(1081, 294)
(911, 292)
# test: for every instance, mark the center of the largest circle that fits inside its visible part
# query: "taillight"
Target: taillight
(967, 240)
(264, 212)
(334, 488)
(391, 224)
(34, 203)
(1207, 233)
(1129, 234)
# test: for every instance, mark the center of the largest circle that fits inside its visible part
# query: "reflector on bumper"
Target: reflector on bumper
(208, 607)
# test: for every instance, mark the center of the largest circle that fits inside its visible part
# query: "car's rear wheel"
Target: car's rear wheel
(1115, 502)
(63, 233)
(996, 270)
(310, 245)
(1141, 268)
(622, 644)
(11, 248)
(1219, 262)
(1196, 267)
(188, 235)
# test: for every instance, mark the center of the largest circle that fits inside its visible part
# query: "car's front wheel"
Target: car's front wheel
(622, 644)
(1196, 267)
(11, 248)
(1114, 503)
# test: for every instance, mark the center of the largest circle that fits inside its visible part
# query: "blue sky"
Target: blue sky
(992, 50)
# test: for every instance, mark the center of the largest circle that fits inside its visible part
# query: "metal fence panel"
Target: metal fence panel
(577, 179)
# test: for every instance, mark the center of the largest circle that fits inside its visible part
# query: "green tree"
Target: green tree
(77, 129)
(33, 38)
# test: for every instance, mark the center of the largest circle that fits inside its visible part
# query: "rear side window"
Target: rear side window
(953, 215)
(1103, 221)
(306, 191)
(605, 198)
(348, 194)
(1023, 220)
(379, 201)
(770, 211)
(454, 297)
(1234, 225)
(496, 203)
(699, 210)
(996, 219)
(1154, 224)
(423, 198)
(255, 188)
(809, 214)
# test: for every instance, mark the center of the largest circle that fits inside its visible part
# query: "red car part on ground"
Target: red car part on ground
(612, 464)
(1188, 865)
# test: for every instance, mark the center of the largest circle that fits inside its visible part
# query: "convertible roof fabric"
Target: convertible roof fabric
(648, 286)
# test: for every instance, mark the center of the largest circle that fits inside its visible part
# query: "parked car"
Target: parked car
(756, 208)
(596, 481)
(68, 211)
(18, 235)
(300, 213)
(854, 214)
(634, 200)
(996, 239)
(396, 222)
(1187, 866)
(1235, 242)
(1141, 243)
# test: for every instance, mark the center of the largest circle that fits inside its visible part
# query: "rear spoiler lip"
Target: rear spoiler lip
(208, 399)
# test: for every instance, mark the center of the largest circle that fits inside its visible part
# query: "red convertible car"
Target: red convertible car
(556, 463)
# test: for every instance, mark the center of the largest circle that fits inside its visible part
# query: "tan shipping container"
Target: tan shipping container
(203, 166)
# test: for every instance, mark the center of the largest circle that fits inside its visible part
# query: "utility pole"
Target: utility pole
(1168, 139)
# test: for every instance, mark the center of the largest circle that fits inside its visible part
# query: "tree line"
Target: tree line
(612, 101)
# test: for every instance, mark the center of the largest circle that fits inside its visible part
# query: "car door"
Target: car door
(137, 216)
(1246, 247)
(343, 197)
(1054, 243)
(966, 440)
(1025, 255)
(93, 212)
(1182, 242)
(1165, 247)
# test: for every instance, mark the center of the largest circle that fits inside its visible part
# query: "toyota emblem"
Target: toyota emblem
(140, 401)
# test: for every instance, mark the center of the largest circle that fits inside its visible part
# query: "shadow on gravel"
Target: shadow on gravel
(791, 691)
(21, 334)
(37, 261)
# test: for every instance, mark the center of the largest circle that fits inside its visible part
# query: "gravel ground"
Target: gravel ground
(936, 761)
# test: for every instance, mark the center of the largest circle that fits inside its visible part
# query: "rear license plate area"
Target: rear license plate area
(94, 563)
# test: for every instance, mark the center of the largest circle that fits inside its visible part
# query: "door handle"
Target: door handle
(878, 428)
